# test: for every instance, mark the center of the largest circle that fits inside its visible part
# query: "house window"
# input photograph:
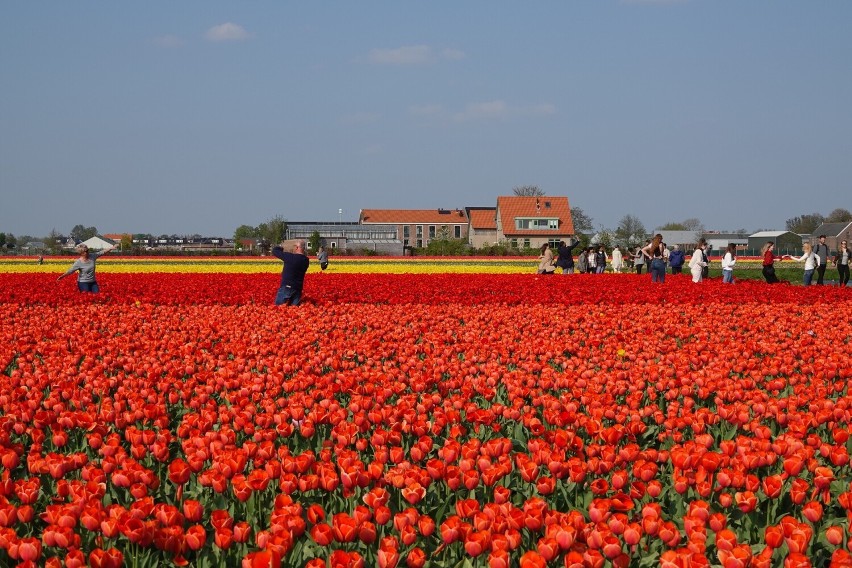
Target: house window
(514, 243)
(419, 243)
(458, 231)
(405, 231)
(526, 243)
(536, 224)
(334, 244)
(419, 231)
(431, 231)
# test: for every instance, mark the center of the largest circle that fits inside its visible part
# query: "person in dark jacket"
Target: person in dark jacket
(676, 258)
(566, 256)
(293, 274)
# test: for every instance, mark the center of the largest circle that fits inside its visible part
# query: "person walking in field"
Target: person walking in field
(293, 275)
(841, 261)
(639, 258)
(653, 254)
(822, 251)
(565, 259)
(676, 258)
(617, 260)
(697, 262)
(322, 258)
(769, 259)
(545, 265)
(811, 260)
(601, 259)
(728, 262)
(85, 267)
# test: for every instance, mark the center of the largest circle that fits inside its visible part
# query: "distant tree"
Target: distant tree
(11, 241)
(672, 227)
(82, 233)
(244, 232)
(314, 242)
(528, 191)
(272, 231)
(805, 224)
(2, 240)
(693, 224)
(630, 231)
(839, 215)
(50, 241)
(126, 242)
(582, 222)
(605, 237)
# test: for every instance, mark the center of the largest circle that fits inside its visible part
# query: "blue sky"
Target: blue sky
(197, 117)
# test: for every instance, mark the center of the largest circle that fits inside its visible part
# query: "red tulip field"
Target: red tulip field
(443, 420)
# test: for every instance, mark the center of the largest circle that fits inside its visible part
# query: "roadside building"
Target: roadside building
(529, 222)
(482, 226)
(834, 233)
(416, 228)
(786, 242)
(99, 243)
(348, 236)
(719, 241)
(686, 240)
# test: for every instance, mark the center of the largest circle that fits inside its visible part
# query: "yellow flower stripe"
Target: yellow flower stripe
(337, 265)
(254, 265)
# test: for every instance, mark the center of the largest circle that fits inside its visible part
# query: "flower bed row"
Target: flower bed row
(442, 288)
(344, 265)
(587, 421)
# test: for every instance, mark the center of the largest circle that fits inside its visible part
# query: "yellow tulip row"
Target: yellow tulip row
(339, 265)
(254, 265)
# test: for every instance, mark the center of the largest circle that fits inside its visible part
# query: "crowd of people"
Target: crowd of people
(592, 260)
(658, 258)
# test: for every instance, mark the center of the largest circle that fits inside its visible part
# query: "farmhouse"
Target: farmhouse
(529, 222)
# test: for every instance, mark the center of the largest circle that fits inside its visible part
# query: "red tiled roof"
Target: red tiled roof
(116, 236)
(512, 207)
(483, 219)
(413, 216)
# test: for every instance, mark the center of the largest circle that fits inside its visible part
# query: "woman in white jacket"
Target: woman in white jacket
(697, 262)
(811, 262)
(728, 262)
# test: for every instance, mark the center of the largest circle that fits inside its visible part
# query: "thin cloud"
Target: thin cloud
(486, 110)
(407, 55)
(544, 109)
(168, 41)
(227, 32)
(412, 55)
(499, 110)
(360, 118)
(426, 110)
(453, 54)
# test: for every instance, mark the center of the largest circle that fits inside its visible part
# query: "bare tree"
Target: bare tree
(582, 222)
(528, 191)
(805, 224)
(839, 215)
(631, 231)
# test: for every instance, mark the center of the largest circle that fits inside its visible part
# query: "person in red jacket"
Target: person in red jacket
(769, 263)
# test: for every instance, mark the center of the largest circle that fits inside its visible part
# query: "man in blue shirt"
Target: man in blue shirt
(293, 275)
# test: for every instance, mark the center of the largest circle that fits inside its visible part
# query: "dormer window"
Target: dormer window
(536, 224)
